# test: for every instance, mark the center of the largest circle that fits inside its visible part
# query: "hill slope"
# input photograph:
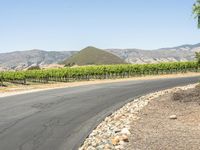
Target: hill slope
(93, 56)
(173, 54)
(23, 59)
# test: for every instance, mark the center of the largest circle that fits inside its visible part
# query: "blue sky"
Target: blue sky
(75, 24)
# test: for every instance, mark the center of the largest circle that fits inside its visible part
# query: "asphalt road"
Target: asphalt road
(61, 119)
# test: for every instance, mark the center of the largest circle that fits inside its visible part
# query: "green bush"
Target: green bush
(34, 68)
(198, 57)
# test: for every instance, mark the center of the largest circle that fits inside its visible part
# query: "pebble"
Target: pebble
(125, 131)
(115, 140)
(173, 117)
(124, 138)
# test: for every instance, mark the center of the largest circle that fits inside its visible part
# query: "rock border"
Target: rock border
(113, 133)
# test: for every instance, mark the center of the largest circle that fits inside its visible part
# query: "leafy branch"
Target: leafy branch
(196, 11)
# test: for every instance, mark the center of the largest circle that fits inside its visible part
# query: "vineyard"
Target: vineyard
(96, 72)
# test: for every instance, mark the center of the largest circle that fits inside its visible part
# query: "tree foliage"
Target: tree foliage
(198, 57)
(196, 11)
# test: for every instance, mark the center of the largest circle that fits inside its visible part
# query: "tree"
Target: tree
(198, 57)
(196, 11)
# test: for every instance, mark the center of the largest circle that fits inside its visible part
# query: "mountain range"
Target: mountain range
(19, 60)
(173, 54)
(24, 59)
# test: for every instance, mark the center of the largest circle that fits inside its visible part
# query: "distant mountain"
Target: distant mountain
(93, 56)
(173, 54)
(23, 59)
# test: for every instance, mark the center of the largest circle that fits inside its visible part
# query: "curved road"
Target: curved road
(61, 119)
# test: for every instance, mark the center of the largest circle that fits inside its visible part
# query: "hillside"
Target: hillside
(93, 56)
(173, 54)
(23, 59)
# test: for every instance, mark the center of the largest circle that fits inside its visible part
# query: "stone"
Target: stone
(173, 117)
(122, 143)
(90, 148)
(117, 130)
(107, 146)
(119, 147)
(125, 131)
(94, 144)
(115, 140)
(124, 138)
(100, 147)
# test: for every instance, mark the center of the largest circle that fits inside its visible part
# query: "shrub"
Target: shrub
(34, 68)
(198, 57)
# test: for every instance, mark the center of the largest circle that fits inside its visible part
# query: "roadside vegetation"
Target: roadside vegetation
(34, 68)
(198, 57)
(97, 72)
(196, 11)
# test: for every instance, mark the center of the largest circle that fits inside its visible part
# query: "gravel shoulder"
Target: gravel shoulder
(170, 122)
(166, 119)
(16, 89)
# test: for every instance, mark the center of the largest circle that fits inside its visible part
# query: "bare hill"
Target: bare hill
(174, 54)
(23, 59)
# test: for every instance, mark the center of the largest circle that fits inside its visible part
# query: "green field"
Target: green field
(96, 72)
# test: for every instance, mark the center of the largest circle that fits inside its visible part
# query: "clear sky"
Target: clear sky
(75, 24)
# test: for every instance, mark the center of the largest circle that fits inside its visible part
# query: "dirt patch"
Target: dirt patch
(114, 132)
(155, 130)
(191, 95)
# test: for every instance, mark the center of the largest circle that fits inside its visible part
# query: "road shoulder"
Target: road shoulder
(124, 128)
